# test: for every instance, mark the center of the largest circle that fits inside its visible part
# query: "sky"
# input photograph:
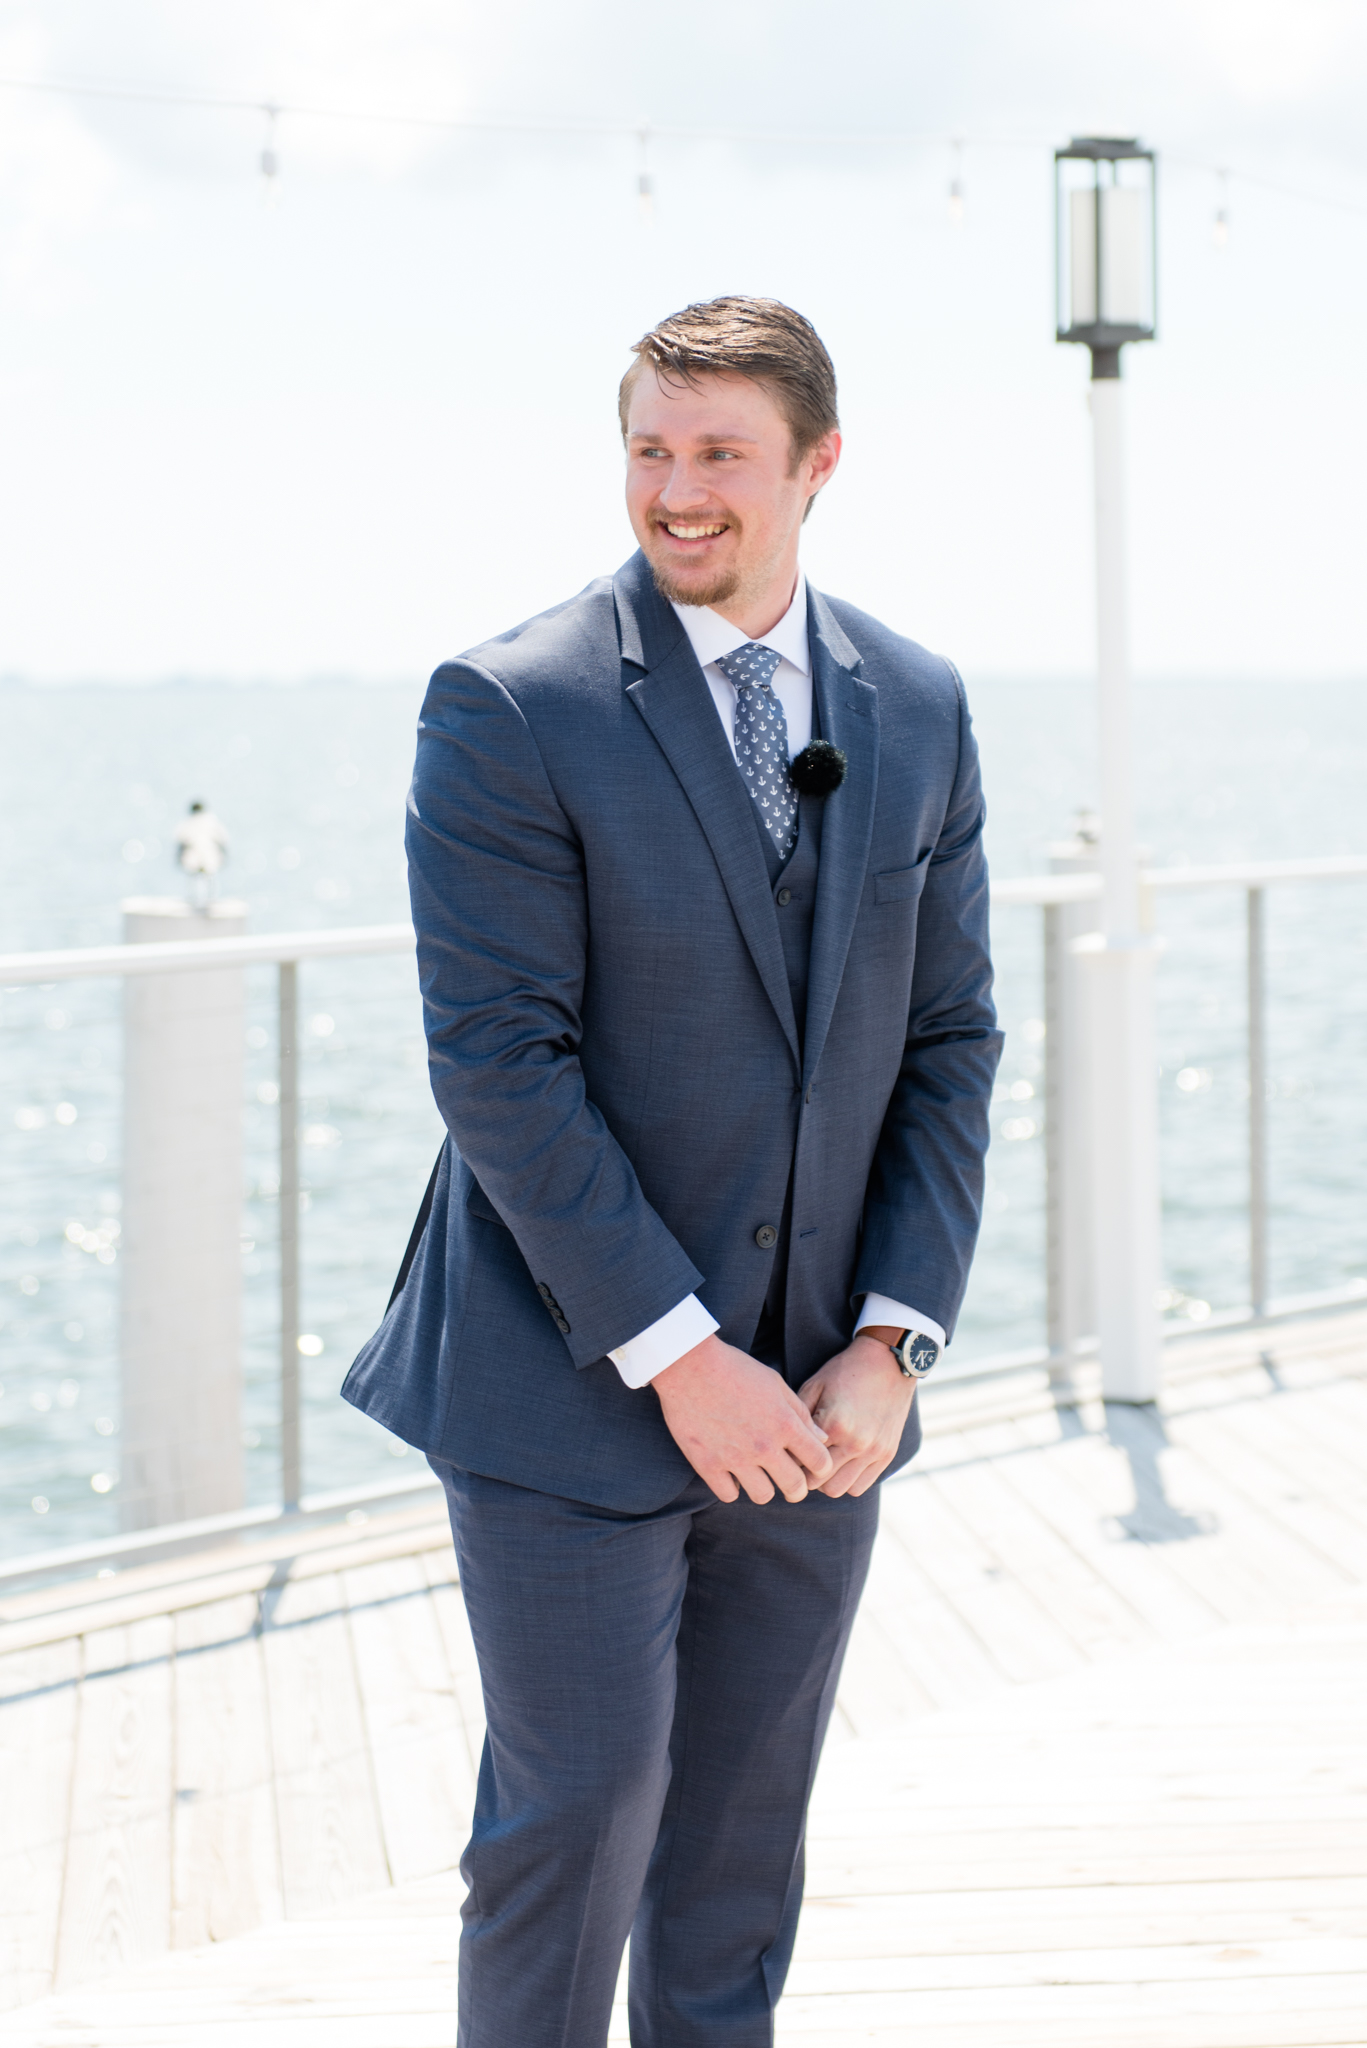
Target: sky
(352, 422)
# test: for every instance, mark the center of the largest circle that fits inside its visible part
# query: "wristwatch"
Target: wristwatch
(915, 1353)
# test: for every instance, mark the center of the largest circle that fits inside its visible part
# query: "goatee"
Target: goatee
(723, 586)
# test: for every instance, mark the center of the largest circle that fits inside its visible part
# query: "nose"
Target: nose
(683, 490)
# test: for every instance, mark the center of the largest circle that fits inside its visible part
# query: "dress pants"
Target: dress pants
(657, 1688)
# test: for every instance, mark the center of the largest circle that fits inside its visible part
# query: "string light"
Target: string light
(270, 168)
(956, 185)
(270, 158)
(1219, 233)
(645, 189)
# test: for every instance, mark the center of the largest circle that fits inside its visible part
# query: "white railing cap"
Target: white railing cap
(78, 963)
(1244, 874)
(159, 956)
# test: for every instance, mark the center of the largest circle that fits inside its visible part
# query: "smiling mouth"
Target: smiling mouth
(678, 529)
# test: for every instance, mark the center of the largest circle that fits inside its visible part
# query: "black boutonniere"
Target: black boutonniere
(818, 770)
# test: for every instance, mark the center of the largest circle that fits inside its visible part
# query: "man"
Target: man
(714, 1044)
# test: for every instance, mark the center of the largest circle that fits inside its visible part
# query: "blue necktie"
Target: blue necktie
(762, 739)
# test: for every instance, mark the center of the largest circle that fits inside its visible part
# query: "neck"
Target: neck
(759, 614)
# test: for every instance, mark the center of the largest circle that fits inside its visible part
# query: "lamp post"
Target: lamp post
(1106, 288)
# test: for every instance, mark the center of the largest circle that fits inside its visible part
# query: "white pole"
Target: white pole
(1122, 957)
(180, 1322)
(1068, 1119)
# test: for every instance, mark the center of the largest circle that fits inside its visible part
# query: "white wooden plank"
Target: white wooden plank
(1140, 1576)
(417, 1739)
(1036, 1862)
(1188, 1962)
(1180, 1528)
(1064, 2023)
(1309, 1438)
(1022, 1640)
(945, 1655)
(116, 1898)
(39, 1692)
(1080, 1601)
(1267, 1487)
(331, 1847)
(986, 1923)
(226, 1855)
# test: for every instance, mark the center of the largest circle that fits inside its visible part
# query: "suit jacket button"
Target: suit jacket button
(785, 896)
(766, 1237)
(543, 1290)
(562, 1326)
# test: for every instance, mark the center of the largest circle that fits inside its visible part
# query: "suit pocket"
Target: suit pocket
(901, 885)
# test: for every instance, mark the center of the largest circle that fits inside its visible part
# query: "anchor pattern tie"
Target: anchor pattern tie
(762, 739)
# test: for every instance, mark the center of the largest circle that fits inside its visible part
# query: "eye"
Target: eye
(651, 454)
(724, 455)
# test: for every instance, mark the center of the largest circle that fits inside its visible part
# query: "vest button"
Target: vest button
(766, 1237)
(785, 896)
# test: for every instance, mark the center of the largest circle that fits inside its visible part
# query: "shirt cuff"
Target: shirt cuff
(640, 1358)
(880, 1308)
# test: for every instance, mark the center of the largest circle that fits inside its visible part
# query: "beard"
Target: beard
(722, 586)
(676, 590)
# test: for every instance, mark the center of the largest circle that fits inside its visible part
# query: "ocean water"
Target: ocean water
(310, 783)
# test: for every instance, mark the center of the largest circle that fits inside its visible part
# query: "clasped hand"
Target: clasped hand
(743, 1429)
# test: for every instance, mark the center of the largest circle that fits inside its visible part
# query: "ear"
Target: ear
(822, 461)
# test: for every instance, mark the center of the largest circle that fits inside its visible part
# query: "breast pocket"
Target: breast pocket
(901, 885)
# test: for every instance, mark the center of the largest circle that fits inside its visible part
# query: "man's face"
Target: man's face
(714, 497)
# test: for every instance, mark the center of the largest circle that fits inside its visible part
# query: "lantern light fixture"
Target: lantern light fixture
(1106, 246)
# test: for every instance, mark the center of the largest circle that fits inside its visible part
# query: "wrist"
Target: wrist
(701, 1354)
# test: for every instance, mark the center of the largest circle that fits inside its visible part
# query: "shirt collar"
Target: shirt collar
(712, 635)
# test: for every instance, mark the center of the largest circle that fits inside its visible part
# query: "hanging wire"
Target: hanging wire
(645, 187)
(1219, 231)
(867, 137)
(270, 156)
(956, 184)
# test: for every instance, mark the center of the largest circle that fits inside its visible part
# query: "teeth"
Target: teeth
(694, 532)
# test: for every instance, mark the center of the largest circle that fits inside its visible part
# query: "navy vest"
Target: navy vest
(792, 884)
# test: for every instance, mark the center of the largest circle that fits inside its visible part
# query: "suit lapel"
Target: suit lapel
(849, 717)
(675, 702)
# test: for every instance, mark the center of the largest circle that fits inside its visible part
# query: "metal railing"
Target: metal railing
(285, 950)
(1063, 898)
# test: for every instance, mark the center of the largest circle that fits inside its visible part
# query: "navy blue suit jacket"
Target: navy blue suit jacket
(612, 1041)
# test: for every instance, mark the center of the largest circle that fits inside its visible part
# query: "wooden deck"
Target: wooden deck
(1099, 1774)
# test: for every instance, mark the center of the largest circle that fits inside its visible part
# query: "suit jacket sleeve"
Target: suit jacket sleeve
(496, 877)
(925, 1191)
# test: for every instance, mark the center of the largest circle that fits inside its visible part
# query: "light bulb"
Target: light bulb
(1219, 232)
(956, 187)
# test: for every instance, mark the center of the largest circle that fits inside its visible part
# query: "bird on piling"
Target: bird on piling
(202, 848)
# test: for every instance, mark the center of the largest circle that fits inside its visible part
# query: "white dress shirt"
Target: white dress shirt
(711, 635)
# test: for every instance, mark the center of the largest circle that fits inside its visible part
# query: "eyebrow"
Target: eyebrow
(707, 440)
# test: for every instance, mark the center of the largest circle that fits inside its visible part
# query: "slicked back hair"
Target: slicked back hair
(758, 338)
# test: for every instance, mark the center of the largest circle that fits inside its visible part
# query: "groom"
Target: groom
(697, 873)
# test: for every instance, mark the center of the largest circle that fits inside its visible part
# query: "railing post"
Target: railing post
(181, 1307)
(1257, 1102)
(289, 1234)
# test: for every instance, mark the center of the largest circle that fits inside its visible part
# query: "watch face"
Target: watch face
(919, 1352)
